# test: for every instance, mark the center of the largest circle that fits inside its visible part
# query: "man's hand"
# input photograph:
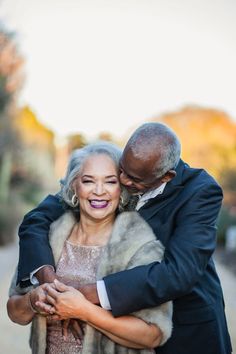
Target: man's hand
(38, 295)
(46, 275)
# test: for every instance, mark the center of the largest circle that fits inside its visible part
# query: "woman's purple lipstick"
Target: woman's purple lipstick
(98, 204)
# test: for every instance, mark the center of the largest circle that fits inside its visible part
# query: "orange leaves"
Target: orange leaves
(208, 137)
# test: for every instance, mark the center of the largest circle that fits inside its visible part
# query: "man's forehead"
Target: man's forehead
(130, 166)
(137, 169)
(130, 158)
(129, 155)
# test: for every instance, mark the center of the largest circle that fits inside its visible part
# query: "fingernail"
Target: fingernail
(64, 338)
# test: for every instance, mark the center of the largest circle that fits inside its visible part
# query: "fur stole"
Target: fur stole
(132, 243)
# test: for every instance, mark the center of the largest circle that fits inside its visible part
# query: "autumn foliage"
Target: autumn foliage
(208, 138)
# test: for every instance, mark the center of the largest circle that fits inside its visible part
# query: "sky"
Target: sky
(109, 65)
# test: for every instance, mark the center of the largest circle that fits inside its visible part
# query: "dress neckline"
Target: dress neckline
(86, 246)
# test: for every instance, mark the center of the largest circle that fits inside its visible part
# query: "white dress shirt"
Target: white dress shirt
(150, 195)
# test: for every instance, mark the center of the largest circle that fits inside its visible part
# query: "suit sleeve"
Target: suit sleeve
(35, 250)
(186, 256)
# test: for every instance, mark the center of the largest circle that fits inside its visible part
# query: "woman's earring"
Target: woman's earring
(74, 200)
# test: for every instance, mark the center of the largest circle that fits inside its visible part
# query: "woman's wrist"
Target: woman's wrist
(90, 292)
(85, 311)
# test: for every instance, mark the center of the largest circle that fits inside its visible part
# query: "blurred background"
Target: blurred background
(74, 71)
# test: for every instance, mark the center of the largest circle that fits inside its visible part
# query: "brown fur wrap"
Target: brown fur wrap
(132, 243)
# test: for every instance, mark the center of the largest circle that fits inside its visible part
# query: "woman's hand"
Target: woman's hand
(75, 326)
(67, 302)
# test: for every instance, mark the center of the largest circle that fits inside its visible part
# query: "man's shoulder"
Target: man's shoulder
(50, 199)
(199, 176)
(50, 209)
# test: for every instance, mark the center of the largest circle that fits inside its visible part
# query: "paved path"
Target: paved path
(14, 338)
(228, 282)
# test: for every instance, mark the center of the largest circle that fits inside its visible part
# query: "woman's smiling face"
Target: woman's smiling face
(97, 187)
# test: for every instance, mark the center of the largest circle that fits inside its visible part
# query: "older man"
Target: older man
(181, 205)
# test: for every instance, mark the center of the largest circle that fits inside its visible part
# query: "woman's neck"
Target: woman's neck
(92, 232)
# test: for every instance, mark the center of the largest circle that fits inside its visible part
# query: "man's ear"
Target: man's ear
(168, 176)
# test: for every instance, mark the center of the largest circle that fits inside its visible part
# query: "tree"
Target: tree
(10, 83)
(208, 138)
(10, 68)
(76, 141)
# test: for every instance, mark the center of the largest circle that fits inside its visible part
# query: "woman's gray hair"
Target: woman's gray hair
(156, 138)
(76, 161)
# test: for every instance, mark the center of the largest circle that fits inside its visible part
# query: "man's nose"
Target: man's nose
(125, 180)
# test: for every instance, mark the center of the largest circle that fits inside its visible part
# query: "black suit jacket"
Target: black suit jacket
(183, 218)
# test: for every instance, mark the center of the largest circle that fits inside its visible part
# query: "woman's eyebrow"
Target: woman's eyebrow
(90, 176)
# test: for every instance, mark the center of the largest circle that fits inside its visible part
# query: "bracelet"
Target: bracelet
(33, 309)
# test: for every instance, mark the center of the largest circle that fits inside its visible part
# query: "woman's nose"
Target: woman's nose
(99, 188)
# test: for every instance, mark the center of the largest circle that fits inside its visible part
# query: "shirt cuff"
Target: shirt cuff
(32, 278)
(102, 295)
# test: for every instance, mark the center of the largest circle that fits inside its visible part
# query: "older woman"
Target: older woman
(89, 241)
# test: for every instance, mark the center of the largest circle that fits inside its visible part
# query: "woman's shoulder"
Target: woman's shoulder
(65, 221)
(130, 217)
(131, 226)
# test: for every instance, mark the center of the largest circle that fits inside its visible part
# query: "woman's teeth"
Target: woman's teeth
(98, 203)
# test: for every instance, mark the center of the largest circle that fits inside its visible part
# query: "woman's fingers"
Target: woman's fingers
(65, 325)
(76, 330)
(45, 285)
(51, 300)
(60, 286)
(51, 292)
(45, 308)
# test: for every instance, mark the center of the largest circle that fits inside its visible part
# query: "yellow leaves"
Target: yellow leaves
(208, 137)
(33, 132)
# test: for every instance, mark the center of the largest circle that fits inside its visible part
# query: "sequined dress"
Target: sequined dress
(77, 266)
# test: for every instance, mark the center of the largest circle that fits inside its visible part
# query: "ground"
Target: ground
(227, 258)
